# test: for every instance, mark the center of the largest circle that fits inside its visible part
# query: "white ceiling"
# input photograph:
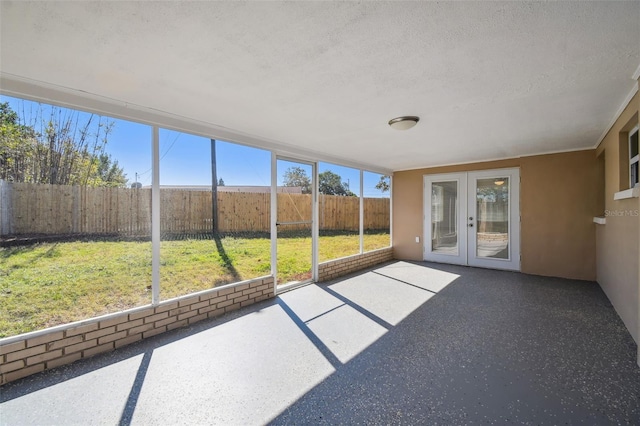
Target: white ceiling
(488, 80)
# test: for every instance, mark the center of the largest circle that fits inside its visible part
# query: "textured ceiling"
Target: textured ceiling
(489, 80)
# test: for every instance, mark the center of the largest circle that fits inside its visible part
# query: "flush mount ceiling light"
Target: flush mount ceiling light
(499, 181)
(404, 123)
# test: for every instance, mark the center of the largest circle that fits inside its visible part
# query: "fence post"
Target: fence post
(75, 213)
(26, 207)
(6, 208)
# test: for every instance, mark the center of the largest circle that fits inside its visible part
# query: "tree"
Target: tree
(330, 183)
(384, 183)
(17, 145)
(220, 182)
(296, 176)
(109, 173)
(66, 150)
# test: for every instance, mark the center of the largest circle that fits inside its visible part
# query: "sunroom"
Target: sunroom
(166, 164)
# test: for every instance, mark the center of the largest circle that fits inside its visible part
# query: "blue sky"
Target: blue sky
(186, 159)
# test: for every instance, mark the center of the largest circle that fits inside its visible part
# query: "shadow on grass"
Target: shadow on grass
(28, 241)
(339, 233)
(16, 251)
(228, 263)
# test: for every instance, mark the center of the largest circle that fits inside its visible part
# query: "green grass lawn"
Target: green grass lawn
(47, 284)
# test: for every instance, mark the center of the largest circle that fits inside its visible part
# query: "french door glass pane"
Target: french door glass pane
(492, 210)
(444, 217)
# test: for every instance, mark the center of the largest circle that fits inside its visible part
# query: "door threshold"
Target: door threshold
(292, 286)
(466, 265)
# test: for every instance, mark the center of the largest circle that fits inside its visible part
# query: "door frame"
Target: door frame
(466, 234)
(274, 219)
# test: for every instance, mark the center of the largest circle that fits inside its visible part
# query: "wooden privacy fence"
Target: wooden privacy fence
(59, 209)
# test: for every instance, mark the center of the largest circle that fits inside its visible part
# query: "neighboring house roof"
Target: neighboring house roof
(238, 188)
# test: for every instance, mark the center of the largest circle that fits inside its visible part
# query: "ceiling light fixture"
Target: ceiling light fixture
(499, 181)
(404, 123)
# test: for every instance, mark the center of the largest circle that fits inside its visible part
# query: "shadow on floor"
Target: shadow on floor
(145, 348)
(493, 346)
(400, 343)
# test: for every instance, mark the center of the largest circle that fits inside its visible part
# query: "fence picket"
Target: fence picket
(56, 209)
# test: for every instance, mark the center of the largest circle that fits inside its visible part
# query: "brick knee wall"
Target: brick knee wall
(27, 354)
(336, 268)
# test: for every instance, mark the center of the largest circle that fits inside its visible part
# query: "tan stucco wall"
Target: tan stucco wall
(557, 205)
(618, 240)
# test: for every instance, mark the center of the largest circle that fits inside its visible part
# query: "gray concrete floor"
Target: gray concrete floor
(404, 343)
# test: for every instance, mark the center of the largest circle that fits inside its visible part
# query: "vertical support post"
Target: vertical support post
(315, 225)
(274, 219)
(361, 211)
(155, 217)
(391, 209)
(214, 188)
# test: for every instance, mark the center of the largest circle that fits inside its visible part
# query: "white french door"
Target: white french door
(473, 218)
